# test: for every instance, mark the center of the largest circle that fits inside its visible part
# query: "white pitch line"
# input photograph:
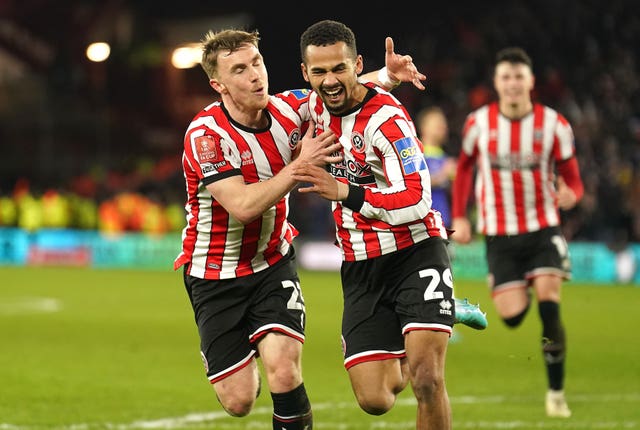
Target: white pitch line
(29, 305)
(205, 419)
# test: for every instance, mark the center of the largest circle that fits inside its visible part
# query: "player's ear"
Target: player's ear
(304, 72)
(359, 64)
(216, 85)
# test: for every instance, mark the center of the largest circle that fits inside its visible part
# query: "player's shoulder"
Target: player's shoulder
(556, 115)
(207, 111)
(204, 120)
(474, 116)
(292, 97)
(484, 109)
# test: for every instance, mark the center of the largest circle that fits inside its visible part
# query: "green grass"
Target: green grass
(84, 349)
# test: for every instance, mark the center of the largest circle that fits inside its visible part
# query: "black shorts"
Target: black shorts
(387, 296)
(233, 314)
(514, 260)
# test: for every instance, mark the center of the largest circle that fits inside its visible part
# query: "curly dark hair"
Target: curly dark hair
(327, 32)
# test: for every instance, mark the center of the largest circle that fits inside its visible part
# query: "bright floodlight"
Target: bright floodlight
(186, 56)
(98, 51)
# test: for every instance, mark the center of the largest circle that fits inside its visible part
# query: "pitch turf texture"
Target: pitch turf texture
(86, 349)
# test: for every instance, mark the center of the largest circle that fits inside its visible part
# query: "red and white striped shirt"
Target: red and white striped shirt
(515, 160)
(383, 156)
(216, 245)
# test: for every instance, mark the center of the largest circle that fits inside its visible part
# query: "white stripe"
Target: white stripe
(528, 182)
(441, 327)
(372, 352)
(550, 124)
(506, 179)
(270, 327)
(235, 366)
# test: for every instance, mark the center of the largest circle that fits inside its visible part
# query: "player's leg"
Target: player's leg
(551, 265)
(512, 304)
(424, 303)
(281, 359)
(372, 340)
(277, 318)
(237, 393)
(228, 358)
(553, 343)
(426, 355)
(509, 288)
(376, 384)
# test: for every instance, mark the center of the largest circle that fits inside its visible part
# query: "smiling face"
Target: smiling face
(513, 83)
(333, 73)
(242, 81)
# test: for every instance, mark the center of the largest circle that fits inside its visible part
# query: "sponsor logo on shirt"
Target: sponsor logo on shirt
(354, 171)
(247, 157)
(515, 161)
(300, 93)
(411, 156)
(357, 140)
(445, 307)
(294, 138)
(206, 148)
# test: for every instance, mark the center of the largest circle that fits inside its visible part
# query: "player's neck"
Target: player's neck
(248, 117)
(516, 111)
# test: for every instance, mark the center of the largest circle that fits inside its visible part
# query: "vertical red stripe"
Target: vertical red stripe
(494, 113)
(274, 241)
(516, 175)
(343, 233)
(539, 179)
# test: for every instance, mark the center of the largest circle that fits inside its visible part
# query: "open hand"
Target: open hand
(401, 67)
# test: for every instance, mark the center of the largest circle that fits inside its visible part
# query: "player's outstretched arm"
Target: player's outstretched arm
(398, 68)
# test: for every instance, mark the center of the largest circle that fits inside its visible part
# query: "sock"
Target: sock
(553, 343)
(292, 410)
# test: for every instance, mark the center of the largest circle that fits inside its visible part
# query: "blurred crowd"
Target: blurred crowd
(72, 131)
(585, 57)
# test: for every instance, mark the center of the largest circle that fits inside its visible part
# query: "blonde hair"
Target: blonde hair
(225, 40)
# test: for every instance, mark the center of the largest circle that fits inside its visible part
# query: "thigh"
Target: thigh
(512, 301)
(370, 327)
(277, 304)
(548, 263)
(370, 378)
(548, 254)
(220, 309)
(281, 358)
(426, 352)
(547, 288)
(506, 263)
(423, 287)
(243, 385)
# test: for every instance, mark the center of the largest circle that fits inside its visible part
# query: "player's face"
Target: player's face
(434, 128)
(513, 83)
(242, 79)
(333, 74)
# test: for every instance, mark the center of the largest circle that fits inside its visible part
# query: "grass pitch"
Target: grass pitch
(84, 349)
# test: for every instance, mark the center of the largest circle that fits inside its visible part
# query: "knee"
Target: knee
(284, 378)
(427, 383)
(237, 406)
(515, 320)
(238, 402)
(377, 404)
